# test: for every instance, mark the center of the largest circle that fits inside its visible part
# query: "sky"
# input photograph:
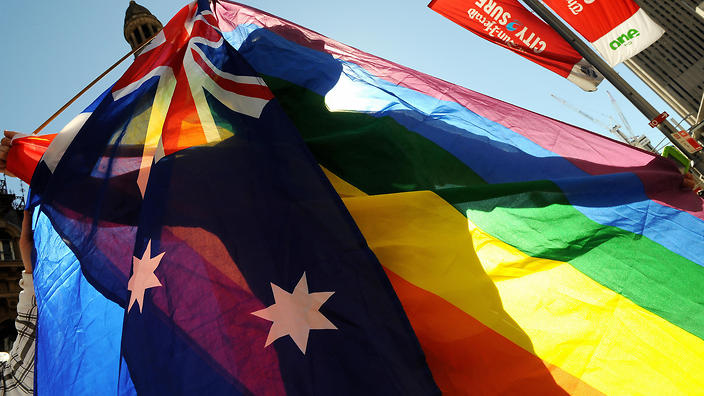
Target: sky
(54, 48)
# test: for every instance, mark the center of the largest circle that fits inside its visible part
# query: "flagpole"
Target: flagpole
(610, 74)
(89, 86)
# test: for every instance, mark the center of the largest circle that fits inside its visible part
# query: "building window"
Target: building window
(7, 251)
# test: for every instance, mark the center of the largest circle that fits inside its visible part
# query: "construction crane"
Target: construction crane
(637, 141)
(615, 129)
(640, 141)
(620, 114)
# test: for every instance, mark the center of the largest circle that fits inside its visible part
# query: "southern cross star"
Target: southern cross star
(295, 314)
(143, 276)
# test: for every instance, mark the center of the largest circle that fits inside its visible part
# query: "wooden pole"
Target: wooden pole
(89, 86)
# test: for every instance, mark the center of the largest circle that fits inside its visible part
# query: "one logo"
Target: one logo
(624, 39)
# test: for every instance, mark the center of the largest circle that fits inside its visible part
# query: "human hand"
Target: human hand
(5, 145)
(27, 241)
(688, 182)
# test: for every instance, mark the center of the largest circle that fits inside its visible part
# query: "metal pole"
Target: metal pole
(610, 74)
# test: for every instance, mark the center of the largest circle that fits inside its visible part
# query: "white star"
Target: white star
(143, 277)
(295, 314)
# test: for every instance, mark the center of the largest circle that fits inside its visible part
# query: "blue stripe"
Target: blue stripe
(75, 363)
(505, 156)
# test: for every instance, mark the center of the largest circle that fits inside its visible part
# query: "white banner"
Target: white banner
(629, 38)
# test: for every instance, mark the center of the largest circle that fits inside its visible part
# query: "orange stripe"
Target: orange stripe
(465, 356)
(212, 250)
(182, 127)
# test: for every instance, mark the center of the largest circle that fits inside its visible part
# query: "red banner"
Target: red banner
(510, 25)
(25, 153)
(619, 29)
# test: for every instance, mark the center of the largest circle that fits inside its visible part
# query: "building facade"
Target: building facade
(10, 265)
(140, 25)
(674, 65)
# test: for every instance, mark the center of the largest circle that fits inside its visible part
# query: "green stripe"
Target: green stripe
(396, 160)
(378, 155)
(634, 266)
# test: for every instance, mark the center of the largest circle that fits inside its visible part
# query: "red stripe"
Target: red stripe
(465, 356)
(594, 20)
(25, 154)
(175, 36)
(182, 128)
(210, 18)
(205, 30)
(252, 90)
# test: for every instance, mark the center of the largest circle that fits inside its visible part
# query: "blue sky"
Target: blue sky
(54, 48)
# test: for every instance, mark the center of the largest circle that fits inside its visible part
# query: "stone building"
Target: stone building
(674, 65)
(10, 265)
(140, 25)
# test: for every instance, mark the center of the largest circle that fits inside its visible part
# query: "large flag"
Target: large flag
(509, 24)
(618, 29)
(189, 244)
(530, 256)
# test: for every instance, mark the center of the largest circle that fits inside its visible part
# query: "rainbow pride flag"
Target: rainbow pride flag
(188, 242)
(530, 256)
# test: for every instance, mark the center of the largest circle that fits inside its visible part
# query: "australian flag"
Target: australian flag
(187, 243)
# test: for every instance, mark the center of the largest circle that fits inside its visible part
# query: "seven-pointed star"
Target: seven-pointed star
(295, 314)
(143, 276)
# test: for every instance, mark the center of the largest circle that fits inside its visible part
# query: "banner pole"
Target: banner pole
(610, 74)
(89, 86)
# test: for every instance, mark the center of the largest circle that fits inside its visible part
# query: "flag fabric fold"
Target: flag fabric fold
(555, 240)
(204, 250)
(188, 224)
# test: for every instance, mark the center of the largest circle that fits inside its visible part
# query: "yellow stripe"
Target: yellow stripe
(343, 188)
(546, 307)
(162, 100)
(589, 330)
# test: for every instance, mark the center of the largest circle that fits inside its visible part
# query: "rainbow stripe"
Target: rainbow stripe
(529, 255)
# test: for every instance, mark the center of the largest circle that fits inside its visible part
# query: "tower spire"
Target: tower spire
(140, 25)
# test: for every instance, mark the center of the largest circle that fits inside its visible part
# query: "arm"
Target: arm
(18, 370)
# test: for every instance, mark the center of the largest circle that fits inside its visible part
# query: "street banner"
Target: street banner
(687, 141)
(618, 29)
(510, 25)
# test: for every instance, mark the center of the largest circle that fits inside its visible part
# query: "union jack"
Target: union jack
(187, 57)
